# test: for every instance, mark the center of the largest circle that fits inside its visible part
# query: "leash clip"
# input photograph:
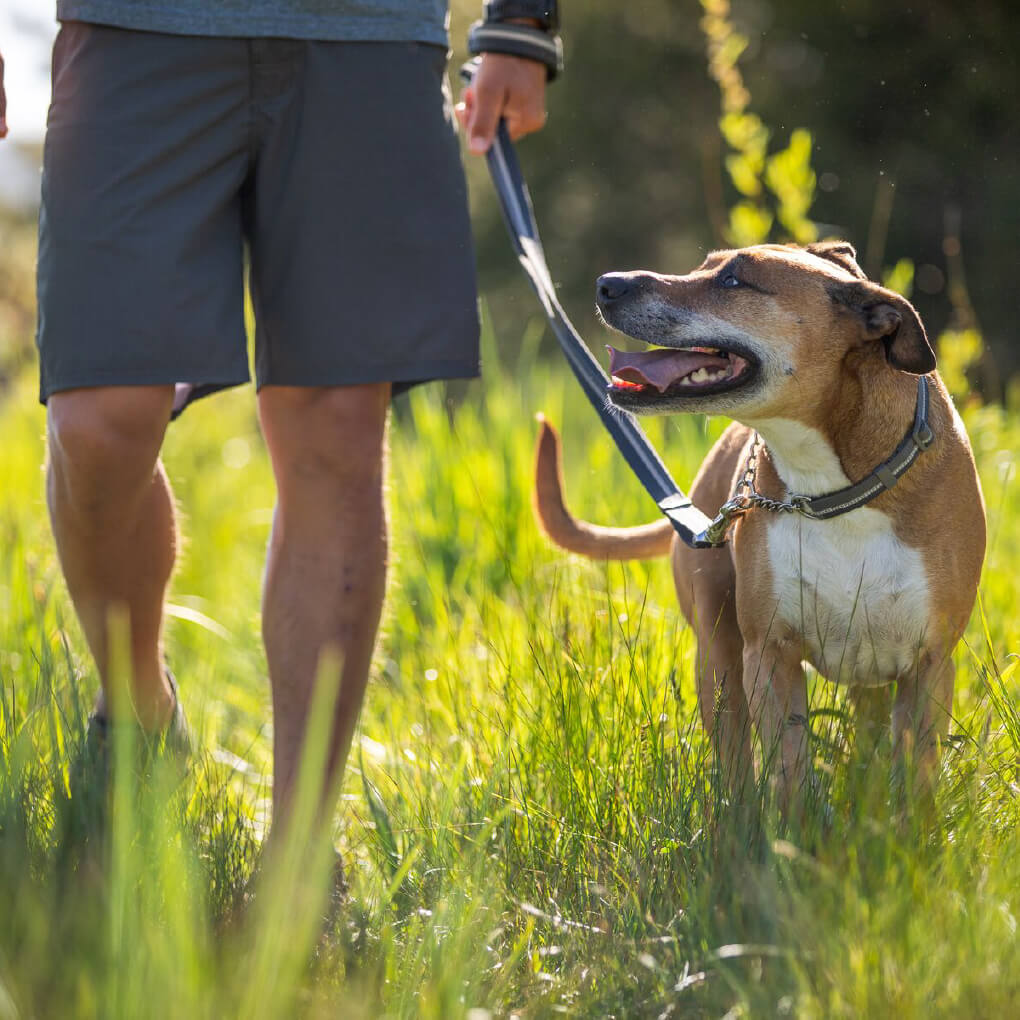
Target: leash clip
(716, 532)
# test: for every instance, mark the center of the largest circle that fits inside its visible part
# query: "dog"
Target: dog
(819, 367)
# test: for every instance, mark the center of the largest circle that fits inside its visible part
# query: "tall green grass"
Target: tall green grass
(531, 821)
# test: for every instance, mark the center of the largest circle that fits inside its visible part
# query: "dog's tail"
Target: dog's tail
(642, 542)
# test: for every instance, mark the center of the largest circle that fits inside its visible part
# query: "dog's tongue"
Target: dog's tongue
(660, 367)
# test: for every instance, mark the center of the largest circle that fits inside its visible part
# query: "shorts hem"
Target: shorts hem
(404, 376)
(92, 380)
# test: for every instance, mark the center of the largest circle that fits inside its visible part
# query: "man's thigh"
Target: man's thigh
(362, 262)
(140, 241)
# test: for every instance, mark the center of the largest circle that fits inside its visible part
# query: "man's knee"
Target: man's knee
(109, 432)
(330, 435)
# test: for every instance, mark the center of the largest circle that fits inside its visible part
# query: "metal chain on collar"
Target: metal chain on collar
(754, 497)
(746, 496)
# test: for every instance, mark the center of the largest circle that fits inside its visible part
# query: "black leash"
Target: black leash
(690, 523)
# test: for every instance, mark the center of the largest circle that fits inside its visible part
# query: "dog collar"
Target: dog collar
(831, 504)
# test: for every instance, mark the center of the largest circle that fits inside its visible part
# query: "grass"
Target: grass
(532, 823)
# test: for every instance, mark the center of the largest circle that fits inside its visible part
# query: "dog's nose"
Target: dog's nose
(613, 286)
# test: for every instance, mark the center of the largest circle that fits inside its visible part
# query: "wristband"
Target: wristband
(545, 12)
(518, 41)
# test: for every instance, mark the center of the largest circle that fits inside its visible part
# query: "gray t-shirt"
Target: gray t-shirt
(354, 20)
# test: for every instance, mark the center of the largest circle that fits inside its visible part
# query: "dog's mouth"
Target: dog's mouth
(679, 372)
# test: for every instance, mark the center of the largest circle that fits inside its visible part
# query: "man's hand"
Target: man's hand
(3, 101)
(504, 86)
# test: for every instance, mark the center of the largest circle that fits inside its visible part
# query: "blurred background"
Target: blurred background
(909, 112)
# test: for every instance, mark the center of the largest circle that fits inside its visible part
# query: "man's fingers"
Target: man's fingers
(504, 86)
(464, 107)
(483, 116)
(522, 121)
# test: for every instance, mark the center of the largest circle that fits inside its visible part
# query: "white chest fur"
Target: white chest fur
(857, 594)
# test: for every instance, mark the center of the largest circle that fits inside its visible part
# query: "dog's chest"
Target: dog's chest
(857, 594)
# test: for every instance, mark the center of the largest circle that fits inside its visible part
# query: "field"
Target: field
(531, 823)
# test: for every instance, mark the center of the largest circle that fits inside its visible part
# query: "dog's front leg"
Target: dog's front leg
(777, 698)
(920, 718)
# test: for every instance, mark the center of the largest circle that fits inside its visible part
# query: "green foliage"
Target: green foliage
(958, 351)
(900, 277)
(724, 49)
(749, 138)
(791, 179)
(531, 821)
(749, 224)
(787, 173)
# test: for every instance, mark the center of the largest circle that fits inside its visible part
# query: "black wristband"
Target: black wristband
(545, 12)
(518, 41)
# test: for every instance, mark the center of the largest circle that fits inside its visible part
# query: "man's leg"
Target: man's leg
(113, 520)
(326, 568)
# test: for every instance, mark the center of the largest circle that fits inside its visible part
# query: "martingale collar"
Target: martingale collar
(830, 504)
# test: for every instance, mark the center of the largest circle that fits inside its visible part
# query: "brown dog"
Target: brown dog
(802, 350)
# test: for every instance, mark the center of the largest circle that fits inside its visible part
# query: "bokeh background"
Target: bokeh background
(912, 112)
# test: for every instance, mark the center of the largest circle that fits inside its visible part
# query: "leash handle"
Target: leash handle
(518, 213)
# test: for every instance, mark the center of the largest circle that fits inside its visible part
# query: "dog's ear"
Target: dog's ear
(885, 315)
(842, 253)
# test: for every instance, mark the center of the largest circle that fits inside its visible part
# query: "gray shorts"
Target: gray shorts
(335, 162)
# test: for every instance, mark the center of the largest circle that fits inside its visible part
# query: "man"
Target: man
(319, 133)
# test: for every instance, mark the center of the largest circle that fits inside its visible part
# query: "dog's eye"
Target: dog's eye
(729, 280)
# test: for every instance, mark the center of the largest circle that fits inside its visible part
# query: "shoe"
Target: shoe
(83, 812)
(90, 773)
(174, 742)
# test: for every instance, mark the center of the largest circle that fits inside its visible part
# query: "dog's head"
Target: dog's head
(754, 329)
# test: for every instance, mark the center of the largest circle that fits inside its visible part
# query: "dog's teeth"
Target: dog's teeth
(705, 375)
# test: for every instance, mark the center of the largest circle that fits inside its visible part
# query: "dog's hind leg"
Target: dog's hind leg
(920, 718)
(872, 711)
